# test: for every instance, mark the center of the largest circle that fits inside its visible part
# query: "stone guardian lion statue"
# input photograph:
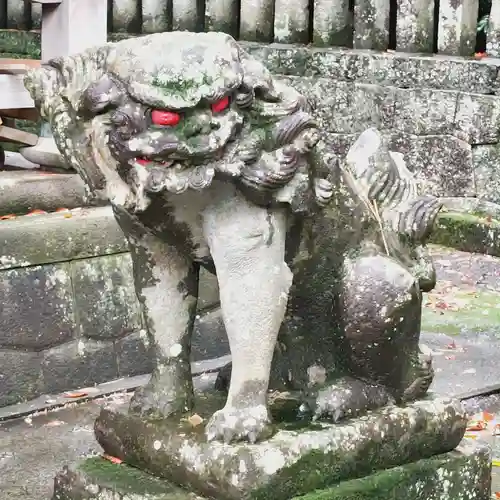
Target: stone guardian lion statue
(207, 162)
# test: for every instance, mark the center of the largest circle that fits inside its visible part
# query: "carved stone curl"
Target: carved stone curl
(209, 161)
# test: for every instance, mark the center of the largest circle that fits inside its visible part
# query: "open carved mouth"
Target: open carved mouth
(168, 137)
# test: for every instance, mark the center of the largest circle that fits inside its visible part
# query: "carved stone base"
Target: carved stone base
(295, 461)
(463, 474)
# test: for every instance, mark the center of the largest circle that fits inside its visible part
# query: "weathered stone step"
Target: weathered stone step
(23, 191)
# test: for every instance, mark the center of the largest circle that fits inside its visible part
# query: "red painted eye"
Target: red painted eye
(221, 105)
(165, 118)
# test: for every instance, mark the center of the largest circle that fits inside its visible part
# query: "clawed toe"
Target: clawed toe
(239, 424)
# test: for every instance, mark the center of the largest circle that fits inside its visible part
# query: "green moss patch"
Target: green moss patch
(457, 310)
(468, 232)
(453, 476)
(130, 481)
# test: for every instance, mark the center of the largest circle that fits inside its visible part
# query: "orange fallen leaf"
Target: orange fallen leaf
(62, 210)
(488, 417)
(68, 215)
(476, 425)
(497, 494)
(195, 420)
(75, 395)
(7, 217)
(36, 212)
(113, 460)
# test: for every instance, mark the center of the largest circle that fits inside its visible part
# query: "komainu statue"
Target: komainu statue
(208, 161)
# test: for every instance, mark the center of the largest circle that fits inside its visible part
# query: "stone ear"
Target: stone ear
(100, 96)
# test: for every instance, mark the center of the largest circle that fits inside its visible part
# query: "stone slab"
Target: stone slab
(56, 237)
(470, 369)
(36, 307)
(463, 474)
(294, 461)
(99, 479)
(106, 301)
(21, 191)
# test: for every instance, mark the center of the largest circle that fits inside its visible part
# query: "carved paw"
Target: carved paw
(323, 191)
(239, 424)
(424, 375)
(349, 397)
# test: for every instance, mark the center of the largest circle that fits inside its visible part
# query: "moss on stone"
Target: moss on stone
(453, 476)
(467, 232)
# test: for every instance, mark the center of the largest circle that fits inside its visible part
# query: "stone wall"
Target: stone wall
(447, 26)
(68, 314)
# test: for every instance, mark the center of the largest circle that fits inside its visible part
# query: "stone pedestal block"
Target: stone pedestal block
(463, 474)
(294, 461)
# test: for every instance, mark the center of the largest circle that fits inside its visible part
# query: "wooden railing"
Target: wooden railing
(442, 26)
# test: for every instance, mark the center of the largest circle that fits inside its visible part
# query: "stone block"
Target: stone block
(56, 237)
(291, 21)
(468, 232)
(457, 26)
(21, 191)
(99, 479)
(208, 291)
(209, 337)
(486, 161)
(478, 116)
(332, 23)
(415, 25)
(293, 462)
(442, 162)
(105, 299)
(20, 375)
(80, 363)
(347, 108)
(133, 355)
(36, 307)
(371, 24)
(464, 474)
(424, 111)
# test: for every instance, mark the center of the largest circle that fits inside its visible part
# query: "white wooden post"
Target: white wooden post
(71, 26)
(68, 27)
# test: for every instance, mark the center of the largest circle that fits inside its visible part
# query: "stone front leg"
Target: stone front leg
(247, 244)
(166, 283)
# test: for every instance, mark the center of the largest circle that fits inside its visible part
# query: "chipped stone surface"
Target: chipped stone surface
(106, 301)
(291, 21)
(20, 375)
(155, 16)
(124, 15)
(457, 26)
(332, 23)
(56, 237)
(463, 474)
(256, 20)
(80, 363)
(222, 15)
(487, 172)
(287, 464)
(371, 24)
(415, 25)
(493, 37)
(36, 308)
(21, 192)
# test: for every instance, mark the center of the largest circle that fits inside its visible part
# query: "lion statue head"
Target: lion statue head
(172, 111)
